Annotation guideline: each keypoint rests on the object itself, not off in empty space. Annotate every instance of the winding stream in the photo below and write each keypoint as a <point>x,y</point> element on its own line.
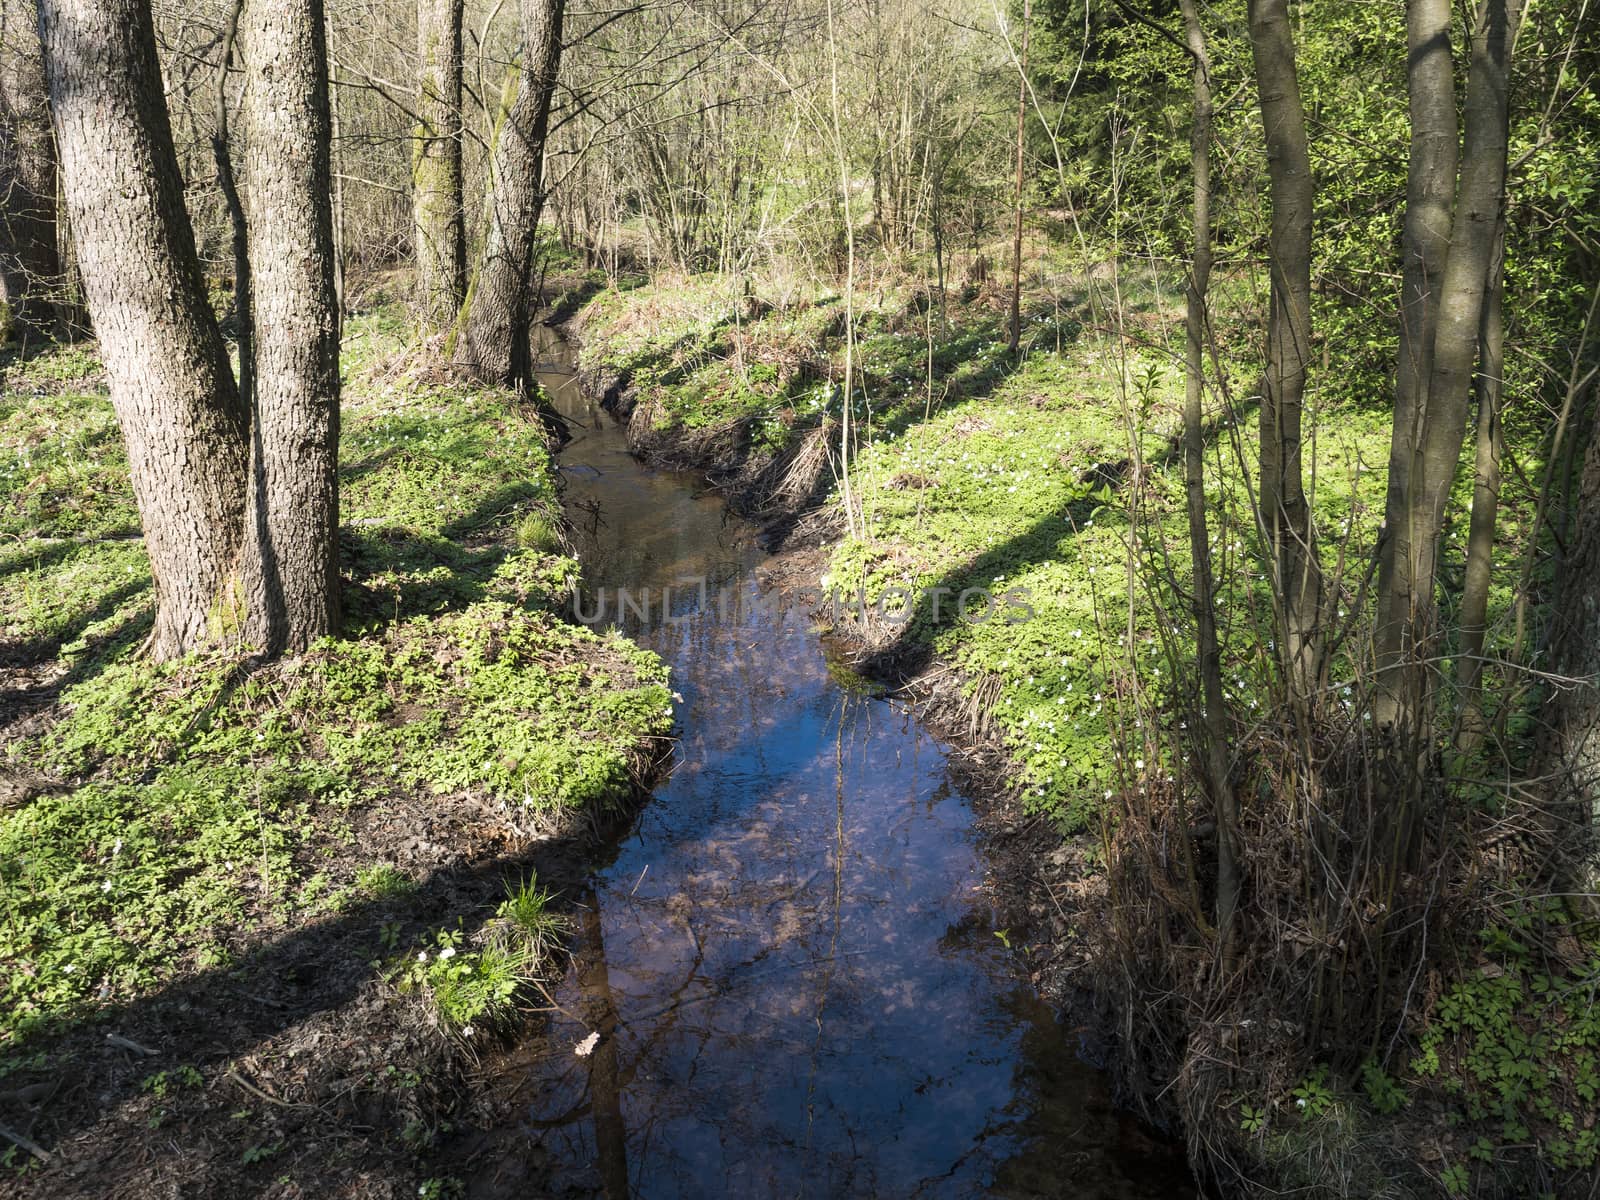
<point>790,961</point>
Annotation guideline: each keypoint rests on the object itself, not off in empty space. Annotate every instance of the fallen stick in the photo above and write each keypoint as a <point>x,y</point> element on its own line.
<point>31,1147</point>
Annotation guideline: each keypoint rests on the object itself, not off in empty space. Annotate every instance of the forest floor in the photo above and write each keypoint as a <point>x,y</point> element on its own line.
<point>987,550</point>
<point>260,925</point>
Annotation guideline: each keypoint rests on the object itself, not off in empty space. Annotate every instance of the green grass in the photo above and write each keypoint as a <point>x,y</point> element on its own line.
<point>474,984</point>
<point>198,808</point>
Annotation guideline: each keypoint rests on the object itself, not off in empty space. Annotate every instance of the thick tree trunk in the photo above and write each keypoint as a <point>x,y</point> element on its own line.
<point>1571,758</point>
<point>30,266</point>
<point>1425,247</point>
<point>174,395</point>
<point>290,561</point>
<point>1296,573</point>
<point>492,329</point>
<point>436,188</point>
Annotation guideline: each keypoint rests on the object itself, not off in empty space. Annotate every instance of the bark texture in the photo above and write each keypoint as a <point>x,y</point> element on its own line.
<point>290,560</point>
<point>175,397</point>
<point>1572,744</point>
<point>1429,444</point>
<point>1425,247</point>
<point>30,266</point>
<point>492,330</point>
<point>1296,573</point>
<point>436,187</point>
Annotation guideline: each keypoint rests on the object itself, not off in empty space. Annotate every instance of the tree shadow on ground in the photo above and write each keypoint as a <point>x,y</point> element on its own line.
<point>295,1030</point>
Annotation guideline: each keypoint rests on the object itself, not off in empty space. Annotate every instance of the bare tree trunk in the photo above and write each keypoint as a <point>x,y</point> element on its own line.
<point>1434,439</point>
<point>1425,246</point>
<point>30,266</point>
<point>1296,573</point>
<point>290,562</point>
<point>1571,750</point>
<point>436,187</point>
<point>1472,720</point>
<point>1016,241</point>
<point>175,397</point>
<point>492,328</point>
<point>1212,732</point>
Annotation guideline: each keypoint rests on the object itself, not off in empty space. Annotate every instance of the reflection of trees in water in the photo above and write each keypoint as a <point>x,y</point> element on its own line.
<point>610,1134</point>
<point>807,996</point>
<point>831,959</point>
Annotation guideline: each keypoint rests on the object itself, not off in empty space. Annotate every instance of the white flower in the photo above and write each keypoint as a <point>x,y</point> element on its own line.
<point>106,886</point>
<point>586,1047</point>
<point>466,1031</point>
<point>450,951</point>
<point>422,956</point>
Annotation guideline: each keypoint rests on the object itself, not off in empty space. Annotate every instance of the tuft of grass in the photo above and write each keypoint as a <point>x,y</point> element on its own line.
<point>381,881</point>
<point>475,984</point>
<point>526,909</point>
<point>537,532</point>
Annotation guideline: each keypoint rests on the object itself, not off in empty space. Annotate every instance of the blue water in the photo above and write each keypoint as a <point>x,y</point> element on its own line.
<point>791,963</point>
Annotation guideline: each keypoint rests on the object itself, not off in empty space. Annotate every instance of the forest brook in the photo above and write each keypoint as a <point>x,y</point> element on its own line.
<point>828,598</point>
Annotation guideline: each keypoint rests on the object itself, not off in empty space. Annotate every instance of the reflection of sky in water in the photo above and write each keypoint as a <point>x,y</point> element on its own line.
<point>796,976</point>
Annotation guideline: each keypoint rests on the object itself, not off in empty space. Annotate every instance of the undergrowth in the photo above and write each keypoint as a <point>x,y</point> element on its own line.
<point>177,815</point>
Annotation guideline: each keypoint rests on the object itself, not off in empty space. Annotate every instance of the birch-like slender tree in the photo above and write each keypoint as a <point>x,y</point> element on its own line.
<point>1296,573</point>
<point>491,333</point>
<point>436,174</point>
<point>30,264</point>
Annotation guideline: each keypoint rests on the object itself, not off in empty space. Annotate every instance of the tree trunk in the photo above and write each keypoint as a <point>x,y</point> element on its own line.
<point>175,397</point>
<point>1571,752</point>
<point>492,328</point>
<point>1015,338</point>
<point>1425,246</point>
<point>30,267</point>
<point>1472,720</point>
<point>1434,439</point>
<point>1211,732</point>
<point>1296,574</point>
<point>290,560</point>
<point>436,188</point>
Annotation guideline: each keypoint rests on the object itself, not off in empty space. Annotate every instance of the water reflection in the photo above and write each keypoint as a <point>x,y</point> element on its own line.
<point>790,965</point>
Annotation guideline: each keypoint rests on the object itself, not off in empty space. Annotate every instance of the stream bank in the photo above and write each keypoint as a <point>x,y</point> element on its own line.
<point>259,923</point>
<point>737,391</point>
<point>794,974</point>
